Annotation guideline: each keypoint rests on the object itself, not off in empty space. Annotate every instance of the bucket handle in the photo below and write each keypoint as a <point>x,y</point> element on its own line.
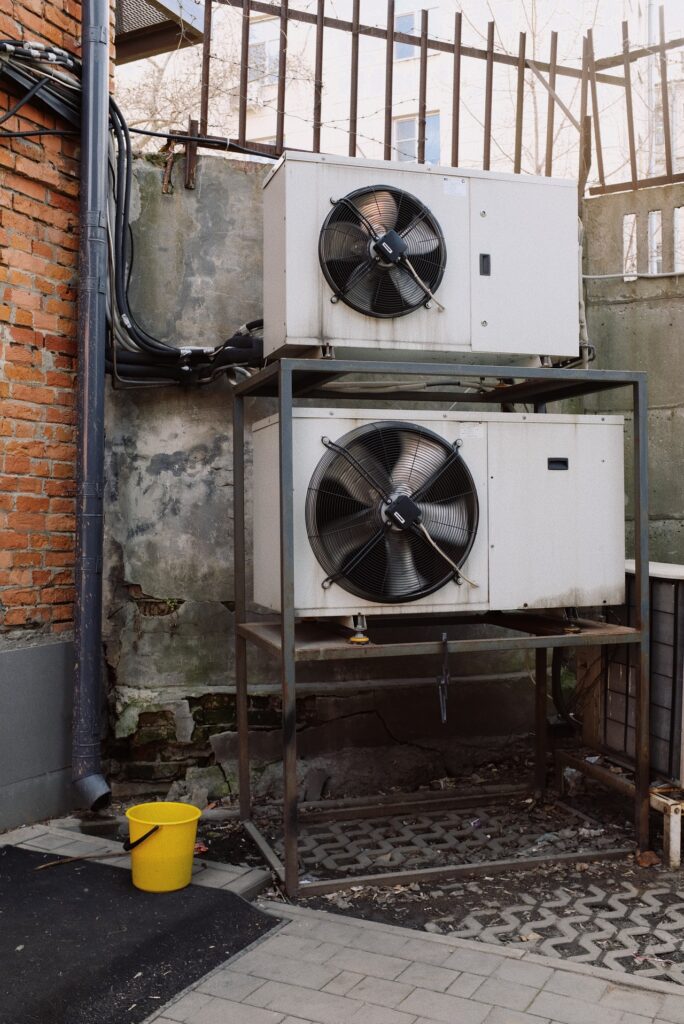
<point>128,845</point>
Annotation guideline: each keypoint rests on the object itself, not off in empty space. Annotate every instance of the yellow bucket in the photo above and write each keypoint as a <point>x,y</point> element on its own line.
<point>162,843</point>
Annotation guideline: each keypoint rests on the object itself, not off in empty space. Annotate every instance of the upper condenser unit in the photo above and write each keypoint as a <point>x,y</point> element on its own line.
<point>443,511</point>
<point>373,255</point>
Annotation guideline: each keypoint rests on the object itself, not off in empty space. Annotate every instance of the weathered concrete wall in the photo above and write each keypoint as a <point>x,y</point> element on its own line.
<point>169,601</point>
<point>637,325</point>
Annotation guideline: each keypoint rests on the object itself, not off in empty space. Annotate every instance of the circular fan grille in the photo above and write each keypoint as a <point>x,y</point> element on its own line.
<point>355,270</point>
<point>350,491</point>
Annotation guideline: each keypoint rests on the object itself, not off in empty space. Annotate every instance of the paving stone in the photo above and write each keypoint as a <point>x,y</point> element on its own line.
<point>473,961</point>
<point>341,984</point>
<point>523,973</point>
<point>508,994</point>
<point>384,993</point>
<point>499,1015</point>
<point>438,1006</point>
<point>429,976</point>
<point>572,1011</point>
<point>672,1009</point>
<point>381,1015</point>
<point>425,951</point>
<point>210,879</point>
<point>265,964</point>
<point>465,984</point>
<point>381,942</point>
<point>325,931</point>
<point>47,843</point>
<point>187,1006</point>
<point>623,998</point>
<point>322,1007</point>
<point>635,1018</point>
<point>566,983</point>
<point>222,1011</point>
<point>298,947</point>
<point>377,965</point>
<point>228,984</point>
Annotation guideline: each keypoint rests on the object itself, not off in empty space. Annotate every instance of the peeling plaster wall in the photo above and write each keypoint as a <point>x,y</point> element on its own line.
<point>169,564</point>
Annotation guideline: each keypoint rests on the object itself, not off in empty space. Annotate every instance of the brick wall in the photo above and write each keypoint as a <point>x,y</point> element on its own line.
<point>38,263</point>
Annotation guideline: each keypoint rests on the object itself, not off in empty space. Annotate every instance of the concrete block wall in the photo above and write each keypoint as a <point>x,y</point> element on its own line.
<point>636,325</point>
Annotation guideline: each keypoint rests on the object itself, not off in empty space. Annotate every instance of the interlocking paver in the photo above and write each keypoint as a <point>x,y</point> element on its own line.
<point>222,1011</point>
<point>508,994</point>
<point>265,964</point>
<point>523,973</point>
<point>326,931</point>
<point>567,983</point>
<point>438,1006</point>
<point>465,984</point>
<point>499,1015</point>
<point>672,1009</point>
<point>428,976</point>
<point>572,1011</point>
<point>623,998</point>
<point>342,982</point>
<point>474,961</point>
<point>384,993</point>
<point>369,1014</point>
<point>425,951</point>
<point>375,964</point>
<point>322,1007</point>
<point>185,1008</point>
<point>229,984</point>
<point>298,947</point>
<point>381,942</point>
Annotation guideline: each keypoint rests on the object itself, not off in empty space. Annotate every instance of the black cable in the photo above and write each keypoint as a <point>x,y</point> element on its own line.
<point>27,135</point>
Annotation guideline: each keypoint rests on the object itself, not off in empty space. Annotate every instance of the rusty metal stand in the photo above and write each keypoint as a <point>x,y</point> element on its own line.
<point>289,380</point>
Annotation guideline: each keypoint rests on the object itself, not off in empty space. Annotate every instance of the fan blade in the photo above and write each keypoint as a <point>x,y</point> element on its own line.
<point>421,241</point>
<point>402,576</point>
<point>341,474</point>
<point>379,208</point>
<point>410,291</point>
<point>347,535</point>
<point>346,240</point>
<point>447,523</point>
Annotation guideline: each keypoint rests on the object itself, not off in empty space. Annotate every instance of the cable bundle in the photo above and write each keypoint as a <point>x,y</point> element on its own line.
<point>134,357</point>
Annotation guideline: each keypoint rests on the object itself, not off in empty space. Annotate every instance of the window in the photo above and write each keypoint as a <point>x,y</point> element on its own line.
<point>406,138</point>
<point>629,247</point>
<point>264,51</point>
<point>655,242</point>
<point>405,23</point>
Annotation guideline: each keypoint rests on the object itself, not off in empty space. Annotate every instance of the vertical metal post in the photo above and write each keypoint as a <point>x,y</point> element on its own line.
<point>665,96</point>
<point>422,87</point>
<point>389,70</point>
<point>318,77</point>
<point>206,70</point>
<point>595,107</point>
<point>643,617</point>
<point>540,725</point>
<point>287,626</point>
<point>456,90</point>
<point>191,155</point>
<point>519,103</point>
<point>551,104</point>
<point>354,73</point>
<point>282,70</point>
<point>239,573</point>
<point>629,104</point>
<point>244,74</point>
<point>584,98</point>
<point>489,82</point>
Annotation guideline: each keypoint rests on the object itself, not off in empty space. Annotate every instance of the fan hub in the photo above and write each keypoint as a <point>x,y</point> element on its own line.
<point>402,512</point>
<point>390,247</point>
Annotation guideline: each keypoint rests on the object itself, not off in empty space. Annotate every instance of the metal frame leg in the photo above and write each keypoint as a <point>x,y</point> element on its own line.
<point>287,618</point>
<point>540,722</point>
<point>672,837</point>
<point>240,603</point>
<point>643,623</point>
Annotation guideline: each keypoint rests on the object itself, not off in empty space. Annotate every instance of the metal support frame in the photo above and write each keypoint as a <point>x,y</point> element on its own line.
<point>290,379</point>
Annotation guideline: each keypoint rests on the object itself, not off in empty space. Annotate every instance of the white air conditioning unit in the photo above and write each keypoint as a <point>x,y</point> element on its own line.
<point>443,511</point>
<point>384,256</point>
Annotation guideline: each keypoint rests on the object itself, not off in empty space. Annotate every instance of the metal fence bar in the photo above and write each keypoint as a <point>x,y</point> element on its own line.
<point>584,97</point>
<point>665,95</point>
<point>389,69</point>
<point>456,90</point>
<point>519,104</point>
<point>354,78</point>
<point>282,69</point>
<point>628,101</point>
<point>318,77</point>
<point>594,106</point>
<point>206,70</point>
<point>551,104</point>
<point>244,70</point>
<point>422,87</point>
<point>489,81</point>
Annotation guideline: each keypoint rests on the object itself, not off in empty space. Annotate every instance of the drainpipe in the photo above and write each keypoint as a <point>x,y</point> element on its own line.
<point>91,788</point>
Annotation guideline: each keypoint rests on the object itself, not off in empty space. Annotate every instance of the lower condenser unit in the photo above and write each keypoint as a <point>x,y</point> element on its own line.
<point>430,511</point>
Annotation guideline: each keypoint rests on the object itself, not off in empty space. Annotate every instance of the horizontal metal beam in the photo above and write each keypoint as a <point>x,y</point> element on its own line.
<point>643,51</point>
<point>265,849</point>
<point>310,18</point>
<point>388,806</point>
<point>627,186</point>
<point>492,867</point>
